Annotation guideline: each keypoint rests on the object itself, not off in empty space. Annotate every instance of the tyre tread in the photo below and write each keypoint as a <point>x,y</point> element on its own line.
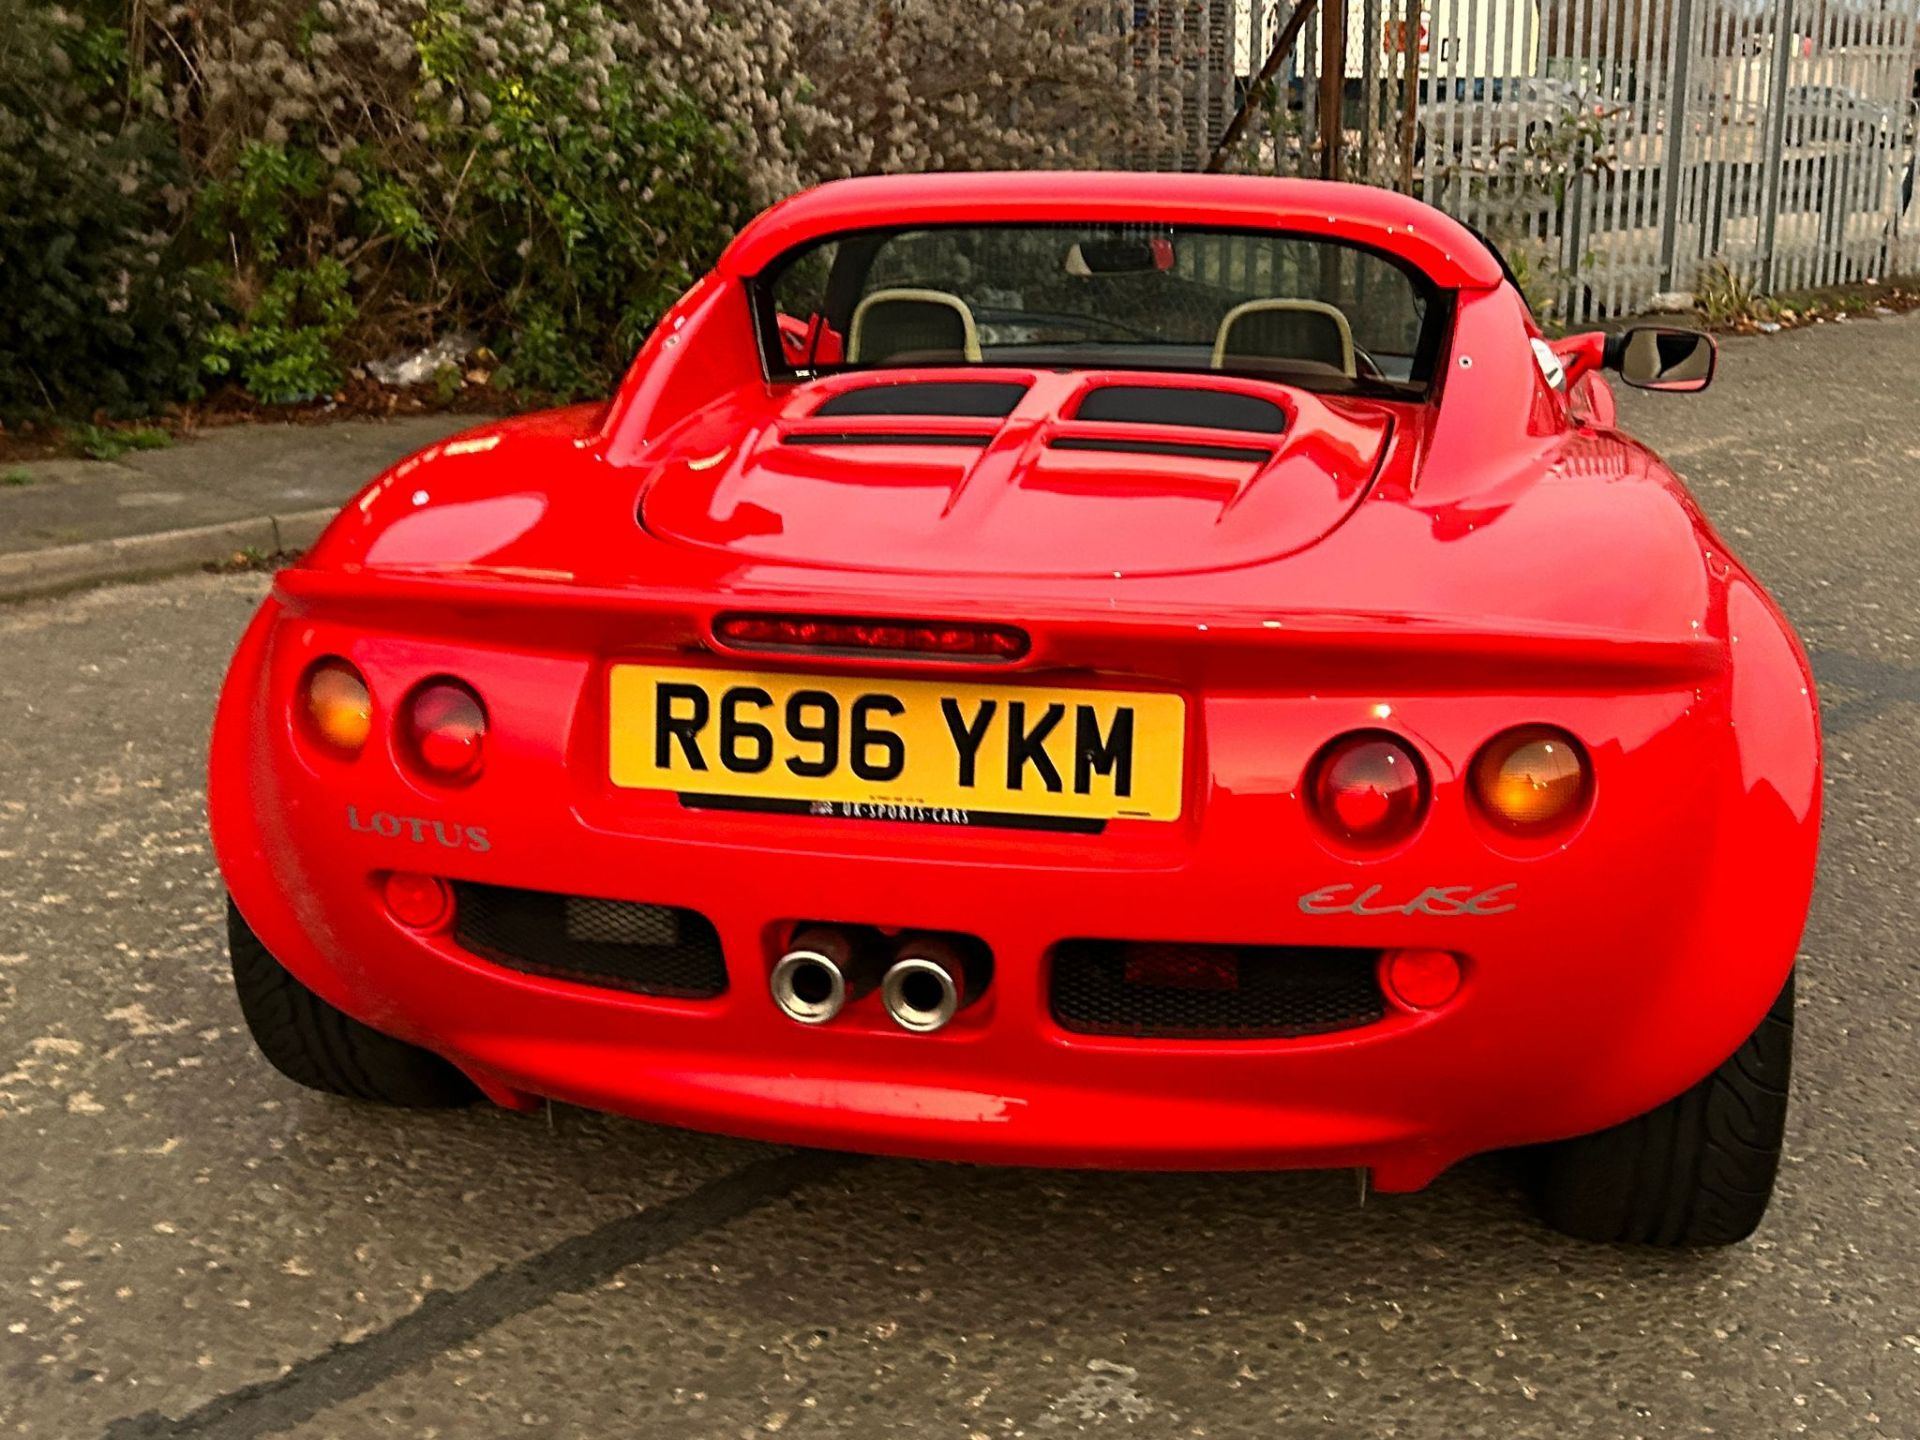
<point>316,1045</point>
<point>1698,1170</point>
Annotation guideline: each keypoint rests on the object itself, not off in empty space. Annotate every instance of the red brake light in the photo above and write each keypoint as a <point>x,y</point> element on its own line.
<point>1369,789</point>
<point>939,638</point>
<point>445,728</point>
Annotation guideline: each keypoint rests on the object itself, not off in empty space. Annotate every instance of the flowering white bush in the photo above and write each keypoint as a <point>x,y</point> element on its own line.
<point>826,88</point>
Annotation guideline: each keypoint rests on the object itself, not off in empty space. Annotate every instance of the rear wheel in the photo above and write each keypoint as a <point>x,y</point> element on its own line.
<point>1699,1170</point>
<point>315,1045</point>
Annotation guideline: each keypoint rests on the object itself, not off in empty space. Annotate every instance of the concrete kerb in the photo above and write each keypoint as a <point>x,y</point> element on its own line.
<point>139,557</point>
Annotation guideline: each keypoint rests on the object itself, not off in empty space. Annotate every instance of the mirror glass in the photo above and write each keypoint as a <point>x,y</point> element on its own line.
<point>1120,255</point>
<point>1662,357</point>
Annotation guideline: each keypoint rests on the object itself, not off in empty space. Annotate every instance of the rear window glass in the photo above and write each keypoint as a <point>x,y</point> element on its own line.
<point>1302,309</point>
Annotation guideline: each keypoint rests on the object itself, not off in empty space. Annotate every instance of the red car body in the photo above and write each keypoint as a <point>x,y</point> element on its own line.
<point>1437,570</point>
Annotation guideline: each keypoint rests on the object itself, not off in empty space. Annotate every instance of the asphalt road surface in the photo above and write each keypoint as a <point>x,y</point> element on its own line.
<point>191,1246</point>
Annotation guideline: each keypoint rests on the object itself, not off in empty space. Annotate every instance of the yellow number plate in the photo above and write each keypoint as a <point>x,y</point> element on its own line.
<point>1081,754</point>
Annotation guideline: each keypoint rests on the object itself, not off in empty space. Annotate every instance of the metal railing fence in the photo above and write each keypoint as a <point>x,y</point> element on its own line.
<point>1615,149</point>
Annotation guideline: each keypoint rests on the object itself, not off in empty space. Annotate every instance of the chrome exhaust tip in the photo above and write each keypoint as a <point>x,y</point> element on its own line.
<point>809,982</point>
<point>921,993</point>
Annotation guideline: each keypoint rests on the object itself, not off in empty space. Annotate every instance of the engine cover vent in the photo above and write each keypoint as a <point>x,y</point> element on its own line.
<point>972,399</point>
<point>1196,406</point>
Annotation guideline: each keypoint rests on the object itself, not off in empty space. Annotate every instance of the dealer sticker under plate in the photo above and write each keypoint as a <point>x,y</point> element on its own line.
<point>841,744</point>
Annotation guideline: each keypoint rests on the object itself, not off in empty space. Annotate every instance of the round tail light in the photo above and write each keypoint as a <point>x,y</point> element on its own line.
<point>444,730</point>
<point>339,709</point>
<point>1369,789</point>
<point>1532,779</point>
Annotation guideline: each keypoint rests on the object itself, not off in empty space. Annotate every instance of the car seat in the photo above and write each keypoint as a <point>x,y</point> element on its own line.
<point>1311,331</point>
<point>901,325</point>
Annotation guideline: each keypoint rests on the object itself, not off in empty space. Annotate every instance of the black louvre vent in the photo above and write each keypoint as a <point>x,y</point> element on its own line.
<point>1182,405</point>
<point>978,399</point>
<point>883,437</point>
<point>649,949</point>
<point>1219,992</point>
<point>1246,454</point>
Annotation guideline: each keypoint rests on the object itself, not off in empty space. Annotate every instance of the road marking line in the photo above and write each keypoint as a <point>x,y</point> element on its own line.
<point>448,1319</point>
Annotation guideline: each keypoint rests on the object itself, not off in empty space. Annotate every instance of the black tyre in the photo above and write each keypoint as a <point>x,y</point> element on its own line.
<point>1699,1170</point>
<point>313,1044</point>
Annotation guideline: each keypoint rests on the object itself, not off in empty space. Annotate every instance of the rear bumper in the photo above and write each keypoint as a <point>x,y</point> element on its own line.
<point>1632,961</point>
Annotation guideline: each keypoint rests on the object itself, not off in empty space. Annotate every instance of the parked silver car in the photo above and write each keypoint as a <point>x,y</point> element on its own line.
<point>1476,120</point>
<point>1834,115</point>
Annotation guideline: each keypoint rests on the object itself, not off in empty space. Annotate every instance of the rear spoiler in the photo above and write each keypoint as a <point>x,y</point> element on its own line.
<point>1434,243</point>
<point>1312,652</point>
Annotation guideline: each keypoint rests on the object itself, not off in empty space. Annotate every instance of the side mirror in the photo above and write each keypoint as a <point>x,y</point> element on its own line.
<point>1663,357</point>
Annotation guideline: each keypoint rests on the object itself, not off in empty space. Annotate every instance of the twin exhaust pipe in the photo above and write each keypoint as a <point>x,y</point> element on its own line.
<point>924,980</point>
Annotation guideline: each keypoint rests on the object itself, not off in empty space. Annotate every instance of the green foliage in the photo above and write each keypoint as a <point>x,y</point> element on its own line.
<point>1724,297</point>
<point>284,347</point>
<point>256,204</point>
<point>99,303</point>
<point>590,197</point>
<point>100,442</point>
<point>16,476</point>
<point>388,210</point>
<point>511,170</point>
<point>269,194</point>
<point>280,334</point>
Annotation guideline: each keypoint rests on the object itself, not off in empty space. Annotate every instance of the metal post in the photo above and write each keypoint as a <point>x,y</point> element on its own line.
<point>1410,97</point>
<point>1678,124</point>
<point>1776,143</point>
<point>1257,90</point>
<point>1372,33</point>
<point>1333,86</point>
<point>1573,307</point>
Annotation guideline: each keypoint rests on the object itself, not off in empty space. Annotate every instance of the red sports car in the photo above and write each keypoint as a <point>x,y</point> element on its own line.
<point>1071,669</point>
